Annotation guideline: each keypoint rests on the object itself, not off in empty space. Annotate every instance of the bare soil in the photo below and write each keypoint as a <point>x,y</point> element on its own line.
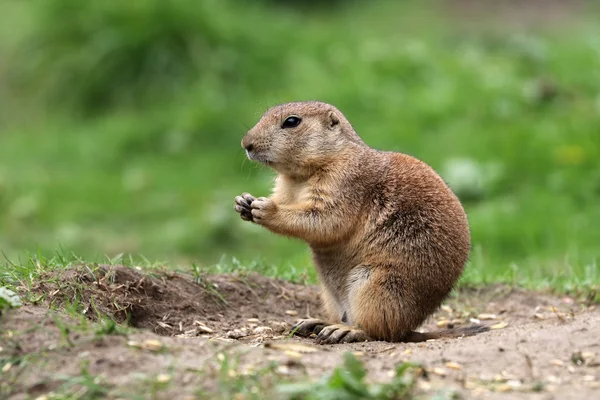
<point>541,346</point>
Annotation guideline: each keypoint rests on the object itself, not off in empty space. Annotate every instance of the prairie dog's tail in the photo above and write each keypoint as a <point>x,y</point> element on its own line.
<point>446,333</point>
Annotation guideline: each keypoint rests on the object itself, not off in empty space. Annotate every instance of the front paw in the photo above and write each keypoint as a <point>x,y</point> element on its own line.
<point>243,205</point>
<point>263,209</point>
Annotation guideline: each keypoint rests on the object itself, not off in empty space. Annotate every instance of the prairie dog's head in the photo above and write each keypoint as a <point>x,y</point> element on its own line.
<point>295,138</point>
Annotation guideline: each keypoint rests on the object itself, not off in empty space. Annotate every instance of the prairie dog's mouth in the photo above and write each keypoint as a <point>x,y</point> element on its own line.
<point>252,155</point>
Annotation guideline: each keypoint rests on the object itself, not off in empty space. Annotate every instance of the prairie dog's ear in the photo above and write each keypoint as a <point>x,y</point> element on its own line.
<point>332,119</point>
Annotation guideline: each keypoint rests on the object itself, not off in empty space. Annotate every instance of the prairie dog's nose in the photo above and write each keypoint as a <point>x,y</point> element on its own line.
<point>247,144</point>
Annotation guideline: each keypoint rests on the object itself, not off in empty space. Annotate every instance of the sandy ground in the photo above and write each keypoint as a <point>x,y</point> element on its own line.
<point>541,346</point>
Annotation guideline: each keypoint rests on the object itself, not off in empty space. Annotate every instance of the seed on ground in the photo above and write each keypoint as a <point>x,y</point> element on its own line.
<point>453,365</point>
<point>499,325</point>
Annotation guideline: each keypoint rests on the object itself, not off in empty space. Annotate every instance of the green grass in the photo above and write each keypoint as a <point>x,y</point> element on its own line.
<point>83,387</point>
<point>141,155</point>
<point>21,277</point>
<point>348,382</point>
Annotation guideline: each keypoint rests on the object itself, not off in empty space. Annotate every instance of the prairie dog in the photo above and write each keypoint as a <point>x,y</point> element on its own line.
<point>389,238</point>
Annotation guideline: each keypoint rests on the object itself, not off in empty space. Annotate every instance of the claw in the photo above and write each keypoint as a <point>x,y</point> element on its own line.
<point>341,334</point>
<point>248,198</point>
<point>306,327</point>
<point>243,206</point>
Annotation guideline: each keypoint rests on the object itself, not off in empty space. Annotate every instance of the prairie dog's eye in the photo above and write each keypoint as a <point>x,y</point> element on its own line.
<point>291,122</point>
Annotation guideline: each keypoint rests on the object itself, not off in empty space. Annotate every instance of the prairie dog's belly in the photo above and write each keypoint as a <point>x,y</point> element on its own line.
<point>334,265</point>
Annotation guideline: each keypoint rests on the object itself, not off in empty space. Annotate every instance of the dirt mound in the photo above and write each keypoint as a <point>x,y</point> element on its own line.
<point>234,306</point>
<point>170,303</point>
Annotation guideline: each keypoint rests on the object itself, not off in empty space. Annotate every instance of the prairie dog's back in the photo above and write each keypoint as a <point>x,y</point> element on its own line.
<point>417,219</point>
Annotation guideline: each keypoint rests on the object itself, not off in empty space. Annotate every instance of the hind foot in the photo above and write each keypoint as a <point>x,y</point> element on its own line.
<point>306,327</point>
<point>341,334</point>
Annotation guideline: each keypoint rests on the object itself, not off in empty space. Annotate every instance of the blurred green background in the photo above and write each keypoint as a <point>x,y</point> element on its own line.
<point>120,122</point>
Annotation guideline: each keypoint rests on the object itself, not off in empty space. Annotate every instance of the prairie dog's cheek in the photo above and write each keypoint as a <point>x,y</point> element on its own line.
<point>315,144</point>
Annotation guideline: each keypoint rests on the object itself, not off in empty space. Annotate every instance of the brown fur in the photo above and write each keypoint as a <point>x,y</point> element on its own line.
<point>389,238</point>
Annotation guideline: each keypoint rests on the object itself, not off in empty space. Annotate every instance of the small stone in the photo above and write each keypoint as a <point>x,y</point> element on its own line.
<point>487,316</point>
<point>586,355</point>
<point>262,330</point>
<point>291,312</point>
<point>439,371</point>
<point>557,363</point>
<point>236,334</point>
<point>163,378</point>
<point>279,327</point>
